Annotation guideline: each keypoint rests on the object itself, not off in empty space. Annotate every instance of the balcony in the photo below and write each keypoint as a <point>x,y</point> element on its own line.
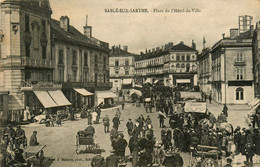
<point>37,63</point>
<point>240,63</point>
<point>26,86</point>
<point>88,85</point>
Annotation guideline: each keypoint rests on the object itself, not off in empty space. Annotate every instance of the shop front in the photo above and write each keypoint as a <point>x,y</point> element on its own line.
<point>85,97</point>
<point>4,95</point>
<point>105,99</point>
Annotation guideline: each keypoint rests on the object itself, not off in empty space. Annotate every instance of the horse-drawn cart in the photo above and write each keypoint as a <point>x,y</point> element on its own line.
<point>205,156</point>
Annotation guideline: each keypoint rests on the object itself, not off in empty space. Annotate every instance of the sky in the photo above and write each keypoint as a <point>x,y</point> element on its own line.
<point>140,31</point>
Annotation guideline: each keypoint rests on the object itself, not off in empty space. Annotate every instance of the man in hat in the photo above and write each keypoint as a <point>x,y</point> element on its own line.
<point>113,133</point>
<point>237,138</point>
<point>19,136</point>
<point>161,120</point>
<point>98,161</point>
<point>121,145</point>
<point>112,160</point>
<point>33,139</point>
<point>129,126</point>
<point>249,152</point>
<point>106,124</point>
<point>163,136</point>
<point>89,116</point>
<point>10,131</point>
<point>169,160</point>
<point>116,121</point>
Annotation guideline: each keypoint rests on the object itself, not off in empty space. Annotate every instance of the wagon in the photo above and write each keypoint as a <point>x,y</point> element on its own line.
<point>87,141</point>
<point>34,155</point>
<point>205,156</point>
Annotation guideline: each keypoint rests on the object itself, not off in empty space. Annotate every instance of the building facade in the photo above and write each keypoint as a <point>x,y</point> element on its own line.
<point>174,65</point>
<point>256,58</point>
<point>232,77</point>
<point>25,50</point>
<point>121,68</point>
<point>204,72</point>
<point>81,62</point>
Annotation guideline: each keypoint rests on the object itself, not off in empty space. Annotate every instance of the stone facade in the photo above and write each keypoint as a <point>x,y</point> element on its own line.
<point>25,47</point>
<point>256,58</point>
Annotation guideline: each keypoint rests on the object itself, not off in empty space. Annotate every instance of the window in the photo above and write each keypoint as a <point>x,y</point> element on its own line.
<point>126,72</point>
<point>85,59</point>
<point>239,57</point>
<point>43,52</point>
<point>183,57</point>
<point>240,73</point>
<point>126,62</point>
<point>182,65</point>
<point>61,73</point>
<point>178,65</point>
<point>28,76</point>
<point>86,76</point>
<point>104,62</point>
<point>117,72</point>
<point>178,57</point>
<point>116,63</point>
<point>60,57</point>
<point>27,50</point>
<point>27,23</point>
<point>188,67</point>
<point>96,60</point>
<point>188,57</point>
<point>43,27</point>
<point>193,57</point>
<point>239,94</point>
<point>74,60</point>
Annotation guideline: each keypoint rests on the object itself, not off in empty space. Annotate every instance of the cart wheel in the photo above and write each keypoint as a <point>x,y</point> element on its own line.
<point>209,162</point>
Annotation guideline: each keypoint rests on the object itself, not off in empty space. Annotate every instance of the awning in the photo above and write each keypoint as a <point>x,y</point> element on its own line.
<point>45,98</point>
<point>253,110</point>
<point>182,80</point>
<point>148,80</point>
<point>138,86</point>
<point>105,94</point>
<point>156,81</point>
<point>195,107</point>
<point>134,91</point>
<point>147,99</point>
<point>59,98</point>
<point>83,92</point>
<point>127,81</point>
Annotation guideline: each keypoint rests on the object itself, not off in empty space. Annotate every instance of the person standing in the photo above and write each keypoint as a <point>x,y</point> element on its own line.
<point>210,98</point>
<point>33,139</point>
<point>112,160</point>
<point>89,116</point>
<point>19,136</point>
<point>94,116</point>
<point>249,152</point>
<point>106,124</point>
<point>118,113</point>
<point>130,127</point>
<point>121,146</point>
<point>123,106</point>
<point>116,121</point>
<point>163,135</point>
<point>237,138</point>
<point>161,120</point>
<point>98,161</point>
<point>225,110</point>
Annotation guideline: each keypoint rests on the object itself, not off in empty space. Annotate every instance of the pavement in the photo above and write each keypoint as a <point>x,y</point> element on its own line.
<point>61,141</point>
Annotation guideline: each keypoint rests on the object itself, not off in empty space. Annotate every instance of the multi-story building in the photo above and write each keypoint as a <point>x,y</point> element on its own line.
<point>256,59</point>
<point>173,65</point>
<point>204,72</point>
<point>81,62</point>
<point>121,68</point>
<point>232,77</point>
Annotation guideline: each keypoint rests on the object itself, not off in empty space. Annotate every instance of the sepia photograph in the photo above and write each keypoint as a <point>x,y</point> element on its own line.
<point>129,83</point>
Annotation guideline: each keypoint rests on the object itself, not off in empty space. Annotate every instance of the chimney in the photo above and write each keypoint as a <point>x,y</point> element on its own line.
<point>149,50</point>
<point>145,51</point>
<point>113,49</point>
<point>125,48</point>
<point>193,45</point>
<point>181,42</point>
<point>157,48</point>
<point>234,33</point>
<point>251,30</point>
<point>87,29</point>
<point>119,46</point>
<point>65,22</point>
<point>170,44</point>
<point>223,35</point>
<point>141,53</point>
<point>153,49</point>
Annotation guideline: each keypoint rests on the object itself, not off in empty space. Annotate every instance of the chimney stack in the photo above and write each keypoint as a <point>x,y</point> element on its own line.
<point>125,48</point>
<point>181,42</point>
<point>234,33</point>
<point>65,22</point>
<point>145,51</point>
<point>193,45</point>
<point>223,35</point>
<point>87,29</point>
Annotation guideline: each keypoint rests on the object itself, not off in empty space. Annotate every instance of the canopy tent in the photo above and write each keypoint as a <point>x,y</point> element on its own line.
<point>127,81</point>
<point>253,110</point>
<point>83,92</point>
<point>156,81</point>
<point>195,107</point>
<point>134,91</point>
<point>195,95</point>
<point>182,80</point>
<point>101,95</point>
<point>54,98</point>
<point>148,80</point>
<point>147,99</point>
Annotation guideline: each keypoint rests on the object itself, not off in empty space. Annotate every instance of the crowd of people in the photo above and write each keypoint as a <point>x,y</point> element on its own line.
<point>13,144</point>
